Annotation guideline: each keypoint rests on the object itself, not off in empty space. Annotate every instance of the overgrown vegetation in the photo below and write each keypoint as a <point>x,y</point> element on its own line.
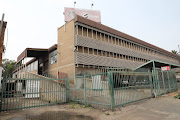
<point>107,113</point>
<point>177,96</point>
<point>8,67</point>
<point>76,105</point>
<point>174,51</point>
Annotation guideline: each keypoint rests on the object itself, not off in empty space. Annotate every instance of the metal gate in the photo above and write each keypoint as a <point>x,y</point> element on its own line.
<point>108,90</point>
<point>32,90</point>
<point>164,82</point>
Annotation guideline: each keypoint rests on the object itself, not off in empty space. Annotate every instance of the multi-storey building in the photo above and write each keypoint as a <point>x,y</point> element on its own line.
<point>85,45</point>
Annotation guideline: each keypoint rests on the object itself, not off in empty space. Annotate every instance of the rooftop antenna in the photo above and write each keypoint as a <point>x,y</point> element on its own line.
<point>74,3</point>
<point>92,5</point>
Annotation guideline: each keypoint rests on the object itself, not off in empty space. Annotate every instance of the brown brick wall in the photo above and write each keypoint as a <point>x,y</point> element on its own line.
<point>53,69</point>
<point>66,49</point>
<point>80,69</point>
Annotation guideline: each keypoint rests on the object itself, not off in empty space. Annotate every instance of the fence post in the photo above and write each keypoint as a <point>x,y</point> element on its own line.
<point>151,82</point>
<point>2,94</point>
<point>163,82</point>
<point>85,99</point>
<point>158,83</point>
<point>67,89</point>
<point>111,90</point>
<point>169,82</point>
<point>154,83</point>
<point>171,76</point>
<point>154,80</point>
<point>175,80</point>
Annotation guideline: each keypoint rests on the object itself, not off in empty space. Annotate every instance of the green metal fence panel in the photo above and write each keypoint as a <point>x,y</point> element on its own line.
<point>93,90</point>
<point>131,86</point>
<point>116,87</point>
<point>164,82</point>
<point>30,90</point>
<point>98,90</point>
<point>111,88</point>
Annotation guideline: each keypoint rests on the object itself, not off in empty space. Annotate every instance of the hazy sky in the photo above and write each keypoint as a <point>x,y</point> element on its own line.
<point>34,23</point>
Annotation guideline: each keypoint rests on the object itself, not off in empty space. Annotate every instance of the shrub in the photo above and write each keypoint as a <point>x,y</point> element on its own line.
<point>177,96</point>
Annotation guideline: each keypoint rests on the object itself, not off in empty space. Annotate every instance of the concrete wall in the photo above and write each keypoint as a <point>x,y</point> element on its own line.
<point>66,50</point>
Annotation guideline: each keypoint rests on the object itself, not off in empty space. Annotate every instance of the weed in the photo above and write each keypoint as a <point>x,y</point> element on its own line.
<point>107,114</point>
<point>177,96</point>
<point>87,106</point>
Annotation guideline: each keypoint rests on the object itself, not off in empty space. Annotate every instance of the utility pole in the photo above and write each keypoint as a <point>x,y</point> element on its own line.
<point>1,25</point>
<point>179,49</point>
<point>1,48</point>
<point>92,5</point>
<point>74,3</point>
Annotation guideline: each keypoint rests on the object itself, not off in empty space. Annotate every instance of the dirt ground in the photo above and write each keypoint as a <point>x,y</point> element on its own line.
<point>161,108</point>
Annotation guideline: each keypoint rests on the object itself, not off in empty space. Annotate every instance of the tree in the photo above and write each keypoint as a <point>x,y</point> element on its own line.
<point>174,51</point>
<point>8,67</point>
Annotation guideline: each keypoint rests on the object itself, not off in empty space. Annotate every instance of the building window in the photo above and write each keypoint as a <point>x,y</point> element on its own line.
<point>53,57</point>
<point>31,67</point>
<point>36,65</point>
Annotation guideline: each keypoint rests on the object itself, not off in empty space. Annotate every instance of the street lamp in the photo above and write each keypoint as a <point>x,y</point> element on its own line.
<point>74,3</point>
<point>92,5</point>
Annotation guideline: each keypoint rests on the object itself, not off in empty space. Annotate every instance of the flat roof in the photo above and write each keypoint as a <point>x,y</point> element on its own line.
<point>35,52</point>
<point>158,64</point>
<point>121,34</point>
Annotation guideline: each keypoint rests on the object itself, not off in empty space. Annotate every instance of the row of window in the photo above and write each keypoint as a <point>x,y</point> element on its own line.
<point>116,41</point>
<point>108,54</point>
<point>53,57</point>
<point>34,66</point>
<point>30,68</point>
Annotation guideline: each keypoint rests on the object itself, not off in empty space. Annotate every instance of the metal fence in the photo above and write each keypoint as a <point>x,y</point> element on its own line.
<point>105,89</point>
<point>164,82</point>
<point>130,87</point>
<point>116,88</point>
<point>31,90</point>
<point>92,90</point>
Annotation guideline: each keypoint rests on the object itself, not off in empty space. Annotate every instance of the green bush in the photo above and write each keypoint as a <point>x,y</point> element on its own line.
<point>177,96</point>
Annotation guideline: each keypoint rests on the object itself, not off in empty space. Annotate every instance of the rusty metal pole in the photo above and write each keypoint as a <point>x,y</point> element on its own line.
<point>1,25</point>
